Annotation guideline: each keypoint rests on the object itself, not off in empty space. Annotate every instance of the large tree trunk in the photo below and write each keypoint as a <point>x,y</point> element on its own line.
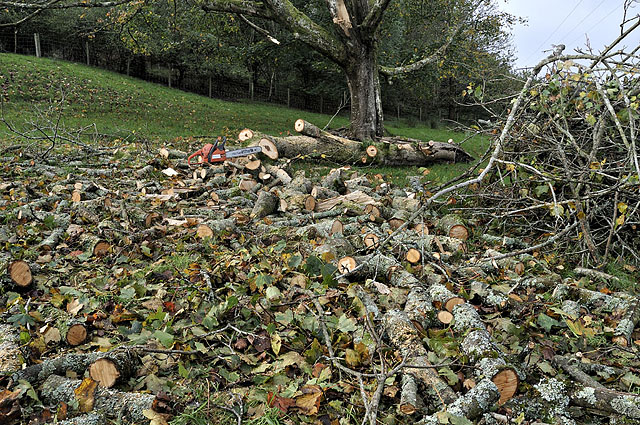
<point>364,87</point>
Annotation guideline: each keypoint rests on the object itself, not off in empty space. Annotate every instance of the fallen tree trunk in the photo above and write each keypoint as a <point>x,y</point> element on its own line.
<point>320,144</point>
<point>112,403</point>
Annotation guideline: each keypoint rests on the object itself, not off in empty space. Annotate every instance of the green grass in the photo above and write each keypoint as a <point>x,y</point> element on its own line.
<point>134,110</point>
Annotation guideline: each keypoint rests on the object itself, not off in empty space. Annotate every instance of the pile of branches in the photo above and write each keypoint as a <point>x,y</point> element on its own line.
<point>569,166</point>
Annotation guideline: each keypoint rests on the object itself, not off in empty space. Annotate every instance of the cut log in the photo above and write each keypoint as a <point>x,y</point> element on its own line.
<point>114,404</point>
<point>266,204</point>
<point>247,184</point>
<point>507,382</point>
<point>445,317</point>
<point>453,226</point>
<point>245,135</point>
<point>395,223</point>
<point>337,228</point>
<point>408,395</point>
<point>413,256</point>
<point>20,273</point>
<point>372,151</point>
<point>371,240</point>
<point>309,203</point>
<point>216,227</point>
<point>269,148</point>
<point>316,143</point>
<point>115,366</point>
<point>346,265</point>
<point>404,337</point>
<point>253,165</point>
<point>76,334</point>
<point>96,246</point>
<point>452,302</point>
<point>321,192</point>
<point>168,153</point>
<point>71,362</point>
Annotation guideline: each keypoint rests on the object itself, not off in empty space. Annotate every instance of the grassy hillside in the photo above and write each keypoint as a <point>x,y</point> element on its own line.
<point>123,108</point>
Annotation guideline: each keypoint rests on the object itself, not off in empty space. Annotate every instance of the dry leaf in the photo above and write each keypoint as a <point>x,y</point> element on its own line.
<point>155,417</point>
<point>74,307</point>
<point>85,395</point>
<point>169,172</point>
<point>309,401</point>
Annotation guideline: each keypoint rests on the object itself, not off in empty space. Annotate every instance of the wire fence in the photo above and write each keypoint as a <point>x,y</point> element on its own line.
<point>215,85</point>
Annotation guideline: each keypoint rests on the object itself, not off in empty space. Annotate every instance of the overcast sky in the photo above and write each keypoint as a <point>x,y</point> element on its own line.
<point>568,22</point>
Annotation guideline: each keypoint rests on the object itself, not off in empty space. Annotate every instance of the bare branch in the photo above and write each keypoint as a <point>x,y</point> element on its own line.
<point>391,71</point>
<point>260,30</point>
<point>374,17</point>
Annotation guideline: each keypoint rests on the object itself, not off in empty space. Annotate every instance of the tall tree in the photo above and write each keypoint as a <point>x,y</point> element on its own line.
<point>344,31</point>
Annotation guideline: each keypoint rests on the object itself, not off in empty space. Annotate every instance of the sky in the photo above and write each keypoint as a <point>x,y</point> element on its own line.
<point>568,22</point>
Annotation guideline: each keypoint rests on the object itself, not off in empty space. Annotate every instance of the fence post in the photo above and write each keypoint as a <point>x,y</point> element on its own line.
<point>36,39</point>
<point>251,89</point>
<point>210,83</point>
<point>420,119</point>
<point>170,72</point>
<point>398,112</point>
<point>288,97</point>
<point>86,48</point>
<point>15,40</point>
<point>321,103</point>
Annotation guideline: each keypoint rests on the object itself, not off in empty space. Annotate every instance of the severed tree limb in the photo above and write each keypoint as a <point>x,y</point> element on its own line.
<point>473,404</point>
<point>10,354</point>
<point>112,403</point>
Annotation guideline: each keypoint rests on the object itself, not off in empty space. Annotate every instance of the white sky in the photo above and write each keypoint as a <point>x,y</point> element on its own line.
<point>567,22</point>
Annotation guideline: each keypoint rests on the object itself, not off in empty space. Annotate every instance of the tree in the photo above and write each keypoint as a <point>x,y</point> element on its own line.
<point>344,31</point>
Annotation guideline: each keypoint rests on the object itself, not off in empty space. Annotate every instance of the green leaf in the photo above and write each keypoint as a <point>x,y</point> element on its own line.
<point>263,279</point>
<point>295,261</point>
<point>127,293</point>
<point>273,293</point>
<point>346,324</point>
<point>546,322</point>
<point>182,371</point>
<point>284,318</point>
<point>165,338</point>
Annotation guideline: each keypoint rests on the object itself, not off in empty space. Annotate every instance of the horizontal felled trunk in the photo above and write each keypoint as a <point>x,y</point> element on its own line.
<point>314,143</point>
<point>114,404</point>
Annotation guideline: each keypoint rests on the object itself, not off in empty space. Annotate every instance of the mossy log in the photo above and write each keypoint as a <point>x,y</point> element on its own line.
<point>87,419</point>
<point>408,395</point>
<point>72,362</point>
<point>10,354</point>
<point>113,367</point>
<point>390,270</point>
<point>419,307</point>
<point>472,405</point>
<point>490,363</point>
<point>112,403</point>
<point>404,337</point>
<point>453,226</point>
<point>266,204</point>
<point>19,272</point>
<point>326,146</point>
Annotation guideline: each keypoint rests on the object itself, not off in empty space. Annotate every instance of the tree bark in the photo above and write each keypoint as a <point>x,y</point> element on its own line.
<point>364,88</point>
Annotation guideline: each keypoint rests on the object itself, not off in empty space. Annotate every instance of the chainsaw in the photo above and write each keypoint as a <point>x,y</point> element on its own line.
<point>212,153</point>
